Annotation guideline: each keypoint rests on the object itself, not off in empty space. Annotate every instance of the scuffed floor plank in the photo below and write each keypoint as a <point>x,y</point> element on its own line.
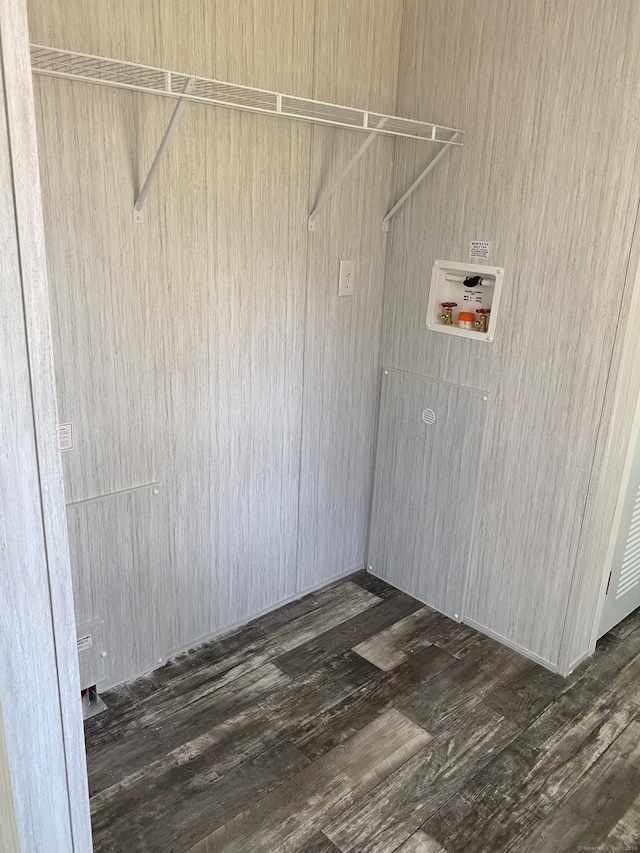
<point>285,818</point>
<point>524,697</point>
<point>342,720</point>
<point>500,809</point>
<point>179,722</point>
<point>313,654</point>
<point>600,800</point>
<point>425,627</point>
<point>626,832</point>
<point>223,660</point>
<point>610,659</point>
<point>187,809</point>
<point>389,648</point>
<point>219,749</point>
<point>341,671</point>
<point>419,842</point>
<point>396,809</point>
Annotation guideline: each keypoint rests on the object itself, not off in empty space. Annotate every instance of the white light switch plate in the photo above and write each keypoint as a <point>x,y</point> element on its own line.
<point>347,281</point>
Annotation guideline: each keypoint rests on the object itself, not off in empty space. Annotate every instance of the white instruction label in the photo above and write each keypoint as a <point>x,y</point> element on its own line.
<point>479,249</point>
<point>65,436</point>
<point>85,642</point>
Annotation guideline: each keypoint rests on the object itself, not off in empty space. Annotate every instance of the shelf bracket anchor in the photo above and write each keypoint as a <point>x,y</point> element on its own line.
<point>386,222</point>
<point>166,139</point>
<point>343,174</point>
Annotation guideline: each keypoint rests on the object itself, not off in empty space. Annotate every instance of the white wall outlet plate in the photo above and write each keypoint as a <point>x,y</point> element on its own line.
<point>465,287</point>
<point>347,281</point>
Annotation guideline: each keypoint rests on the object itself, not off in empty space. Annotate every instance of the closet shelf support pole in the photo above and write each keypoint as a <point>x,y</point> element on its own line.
<point>343,175</point>
<point>166,139</point>
<point>386,222</point>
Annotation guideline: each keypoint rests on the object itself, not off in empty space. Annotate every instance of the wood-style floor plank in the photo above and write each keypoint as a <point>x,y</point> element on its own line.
<point>426,626</point>
<point>462,686</point>
<point>499,809</point>
<point>626,682</point>
<point>284,819</point>
<point>457,639</point>
<point>525,696</point>
<point>601,799</point>
<point>419,842</point>
<point>178,722</point>
<point>626,831</point>
<point>339,638</point>
<point>374,585</point>
<point>389,648</point>
<point>340,674</point>
<point>482,671</point>
<point>222,660</point>
<point>184,810</point>
<point>318,844</point>
<point>391,813</point>
<point>221,746</point>
<point>355,719</point>
<point>291,635</point>
<point>611,658</point>
<point>340,721</point>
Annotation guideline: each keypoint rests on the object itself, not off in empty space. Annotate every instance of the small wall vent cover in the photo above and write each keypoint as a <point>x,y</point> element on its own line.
<point>429,416</point>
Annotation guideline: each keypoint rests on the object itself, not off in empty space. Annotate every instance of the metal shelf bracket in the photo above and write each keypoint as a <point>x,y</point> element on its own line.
<point>344,174</point>
<point>138,215</point>
<point>386,222</point>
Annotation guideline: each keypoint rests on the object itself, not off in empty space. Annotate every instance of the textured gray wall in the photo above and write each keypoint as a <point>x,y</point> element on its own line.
<point>545,90</point>
<point>207,348</point>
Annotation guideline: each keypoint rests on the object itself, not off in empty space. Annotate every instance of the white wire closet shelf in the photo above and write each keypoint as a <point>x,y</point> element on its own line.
<point>144,78</point>
<point>104,71</point>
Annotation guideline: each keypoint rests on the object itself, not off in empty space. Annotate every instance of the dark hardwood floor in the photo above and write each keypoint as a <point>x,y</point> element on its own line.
<point>357,720</point>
